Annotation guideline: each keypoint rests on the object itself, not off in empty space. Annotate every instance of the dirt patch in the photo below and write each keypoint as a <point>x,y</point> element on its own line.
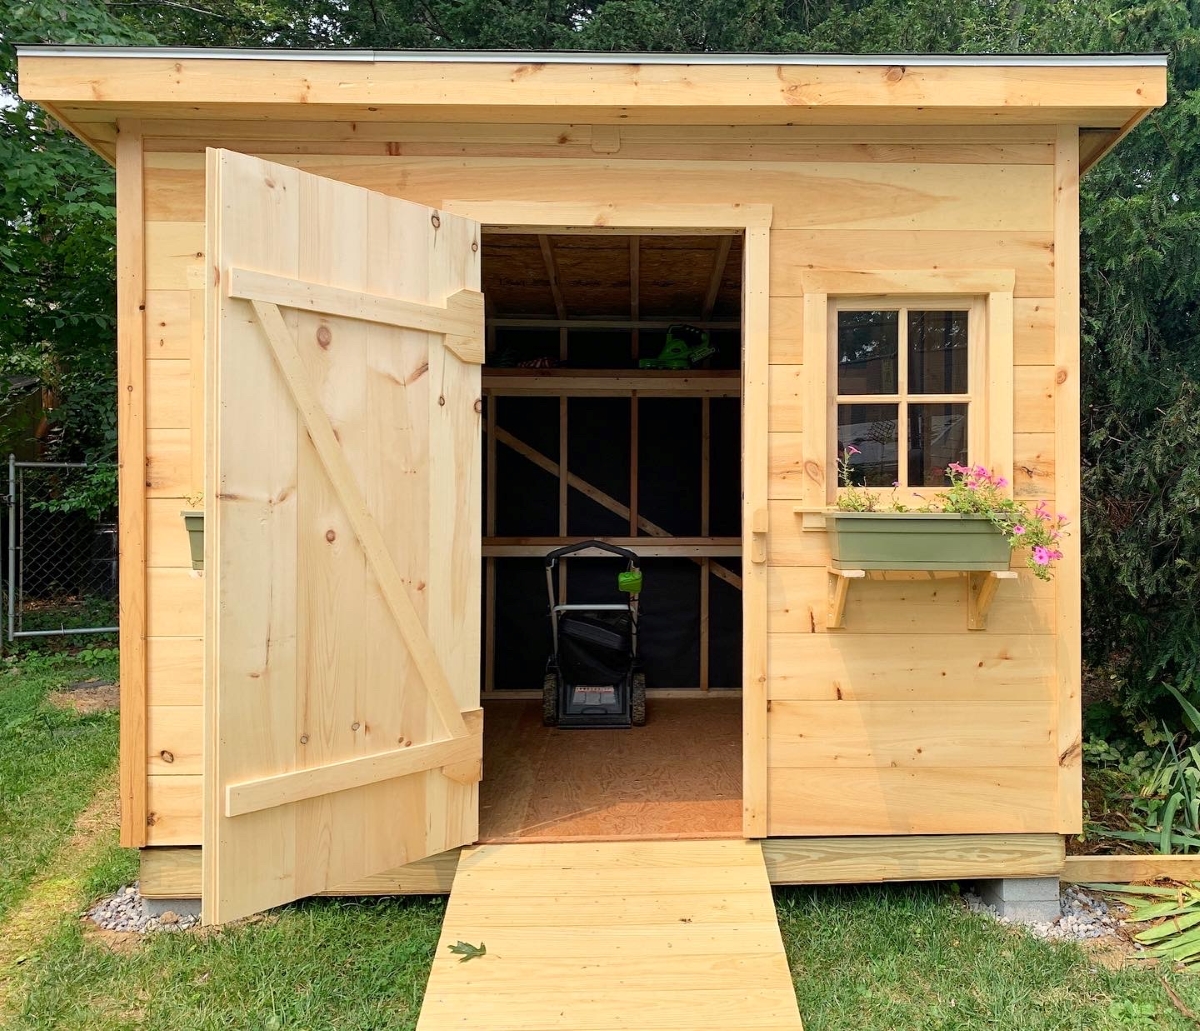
<point>1115,952</point>
<point>120,942</point>
<point>87,696</point>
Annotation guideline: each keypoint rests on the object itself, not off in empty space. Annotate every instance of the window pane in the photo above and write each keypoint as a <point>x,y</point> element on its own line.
<point>871,431</point>
<point>937,352</point>
<point>937,436</point>
<point>868,347</point>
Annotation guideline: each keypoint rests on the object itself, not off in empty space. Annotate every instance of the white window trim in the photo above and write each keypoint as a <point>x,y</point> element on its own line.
<point>990,369</point>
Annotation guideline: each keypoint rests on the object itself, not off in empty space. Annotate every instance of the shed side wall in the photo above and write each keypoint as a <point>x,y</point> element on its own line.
<point>904,722</point>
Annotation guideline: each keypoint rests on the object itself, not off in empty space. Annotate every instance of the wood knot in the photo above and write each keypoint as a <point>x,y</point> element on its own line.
<point>478,405</point>
<point>303,739</point>
<point>151,819</point>
<point>435,220</point>
<point>330,536</point>
<point>324,337</point>
<point>474,247</point>
<point>167,757</point>
<point>442,400</point>
<point>354,725</point>
<point>270,182</point>
<point>894,74</point>
<point>1060,377</point>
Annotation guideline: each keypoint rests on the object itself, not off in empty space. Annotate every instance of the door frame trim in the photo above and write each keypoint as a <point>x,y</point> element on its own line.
<point>754,222</point>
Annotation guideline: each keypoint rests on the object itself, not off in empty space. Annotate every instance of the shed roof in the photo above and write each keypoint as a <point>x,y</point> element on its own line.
<point>91,88</point>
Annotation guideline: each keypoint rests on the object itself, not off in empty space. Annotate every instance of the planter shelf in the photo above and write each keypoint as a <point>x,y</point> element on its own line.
<point>981,590</point>
<point>865,543</point>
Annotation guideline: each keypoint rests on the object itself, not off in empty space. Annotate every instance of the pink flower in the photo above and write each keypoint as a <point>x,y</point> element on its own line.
<point>1041,556</point>
<point>1018,530</point>
<point>1001,481</point>
<point>1055,554</point>
<point>852,450</point>
<point>895,483</point>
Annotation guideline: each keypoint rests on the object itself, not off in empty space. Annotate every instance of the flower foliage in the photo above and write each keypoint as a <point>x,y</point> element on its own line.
<point>973,490</point>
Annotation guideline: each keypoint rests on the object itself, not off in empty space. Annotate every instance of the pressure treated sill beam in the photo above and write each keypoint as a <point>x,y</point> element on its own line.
<point>175,872</point>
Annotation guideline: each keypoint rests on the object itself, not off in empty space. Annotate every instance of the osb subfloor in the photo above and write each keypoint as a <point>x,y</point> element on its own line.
<point>680,776</point>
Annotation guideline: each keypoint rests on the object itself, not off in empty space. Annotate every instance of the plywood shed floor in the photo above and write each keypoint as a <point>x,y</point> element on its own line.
<point>680,776</point>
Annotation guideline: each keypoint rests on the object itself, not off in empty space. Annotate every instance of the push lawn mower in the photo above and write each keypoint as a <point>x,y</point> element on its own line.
<point>686,347</point>
<point>592,677</point>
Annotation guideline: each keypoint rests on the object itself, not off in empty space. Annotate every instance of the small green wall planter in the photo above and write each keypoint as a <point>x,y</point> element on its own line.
<point>194,524</point>
<point>915,540</point>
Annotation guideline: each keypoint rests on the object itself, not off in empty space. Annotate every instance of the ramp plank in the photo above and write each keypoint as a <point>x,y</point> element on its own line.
<point>600,936</point>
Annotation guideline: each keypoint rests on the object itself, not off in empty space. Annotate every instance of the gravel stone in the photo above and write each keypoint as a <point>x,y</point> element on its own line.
<point>125,911</point>
<point>1084,916</point>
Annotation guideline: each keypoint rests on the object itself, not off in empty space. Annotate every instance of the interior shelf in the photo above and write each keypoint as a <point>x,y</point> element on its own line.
<point>613,382</point>
<point>644,547</point>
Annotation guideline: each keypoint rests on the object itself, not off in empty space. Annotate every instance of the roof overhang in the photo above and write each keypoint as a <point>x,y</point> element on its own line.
<point>91,88</point>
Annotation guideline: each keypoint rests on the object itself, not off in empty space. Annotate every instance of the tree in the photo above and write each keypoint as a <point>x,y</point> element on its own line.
<point>1140,215</point>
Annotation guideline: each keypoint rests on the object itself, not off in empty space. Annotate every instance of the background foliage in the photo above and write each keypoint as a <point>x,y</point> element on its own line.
<point>1141,211</point>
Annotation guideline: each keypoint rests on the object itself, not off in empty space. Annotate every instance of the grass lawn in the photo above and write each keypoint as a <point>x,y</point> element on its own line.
<point>865,959</point>
<point>51,760</point>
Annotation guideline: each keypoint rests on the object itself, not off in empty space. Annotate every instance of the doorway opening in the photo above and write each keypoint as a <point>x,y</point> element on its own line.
<point>584,441</point>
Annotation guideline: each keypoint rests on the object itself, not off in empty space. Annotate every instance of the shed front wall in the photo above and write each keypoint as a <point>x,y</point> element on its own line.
<point>903,722</point>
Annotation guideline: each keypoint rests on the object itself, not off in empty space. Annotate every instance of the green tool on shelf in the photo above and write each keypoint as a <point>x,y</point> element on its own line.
<point>685,348</point>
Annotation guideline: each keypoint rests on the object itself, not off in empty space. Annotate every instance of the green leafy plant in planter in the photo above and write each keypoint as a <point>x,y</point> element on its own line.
<point>971,525</point>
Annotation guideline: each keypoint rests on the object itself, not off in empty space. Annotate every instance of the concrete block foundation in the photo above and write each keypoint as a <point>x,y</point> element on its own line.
<point>1028,900</point>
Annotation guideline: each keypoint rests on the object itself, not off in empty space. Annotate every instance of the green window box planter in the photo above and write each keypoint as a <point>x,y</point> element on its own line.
<point>193,522</point>
<point>915,540</point>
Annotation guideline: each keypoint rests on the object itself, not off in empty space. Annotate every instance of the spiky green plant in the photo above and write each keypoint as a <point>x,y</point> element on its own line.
<point>1173,914</point>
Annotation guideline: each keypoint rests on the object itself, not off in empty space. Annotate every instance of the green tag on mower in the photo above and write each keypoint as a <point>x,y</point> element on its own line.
<point>630,581</point>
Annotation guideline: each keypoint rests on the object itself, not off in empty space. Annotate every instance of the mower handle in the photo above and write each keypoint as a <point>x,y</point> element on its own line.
<point>570,549</point>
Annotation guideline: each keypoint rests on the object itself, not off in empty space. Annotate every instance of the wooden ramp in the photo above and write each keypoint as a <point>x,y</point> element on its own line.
<point>630,935</point>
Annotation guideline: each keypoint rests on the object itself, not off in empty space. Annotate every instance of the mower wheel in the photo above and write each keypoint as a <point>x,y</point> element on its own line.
<point>637,699</point>
<point>550,699</point>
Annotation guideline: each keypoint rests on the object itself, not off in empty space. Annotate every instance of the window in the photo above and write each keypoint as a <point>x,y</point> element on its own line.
<point>906,379</point>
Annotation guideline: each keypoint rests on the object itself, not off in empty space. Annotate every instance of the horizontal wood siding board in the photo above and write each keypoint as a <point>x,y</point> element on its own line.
<point>174,671</point>
<point>798,603</point>
<point>897,668</point>
<point>805,195</point>
<point>963,800</point>
<point>943,734</point>
<point>175,740</point>
<point>1029,253</point>
<point>173,805</point>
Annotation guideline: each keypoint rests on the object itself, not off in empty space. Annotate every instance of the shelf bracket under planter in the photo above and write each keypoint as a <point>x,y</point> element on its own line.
<point>981,590</point>
<point>839,589</point>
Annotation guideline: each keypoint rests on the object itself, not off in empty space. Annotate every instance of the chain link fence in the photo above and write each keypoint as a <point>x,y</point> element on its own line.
<point>61,563</point>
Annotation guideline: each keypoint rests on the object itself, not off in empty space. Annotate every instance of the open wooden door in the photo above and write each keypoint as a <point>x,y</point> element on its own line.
<point>342,522</point>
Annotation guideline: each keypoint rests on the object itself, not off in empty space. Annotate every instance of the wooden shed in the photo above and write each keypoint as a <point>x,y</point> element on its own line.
<point>385,312</point>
